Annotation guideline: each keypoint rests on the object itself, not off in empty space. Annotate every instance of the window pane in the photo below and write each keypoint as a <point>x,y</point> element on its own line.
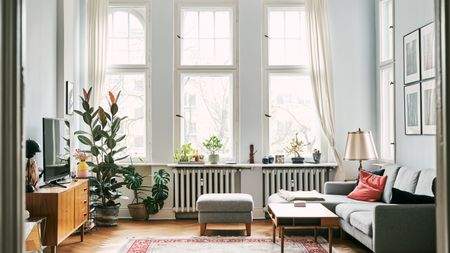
<point>287,36</point>
<point>206,37</point>
<point>207,108</point>
<point>131,104</point>
<point>386,32</point>
<point>126,36</point>
<point>292,108</point>
<point>387,114</point>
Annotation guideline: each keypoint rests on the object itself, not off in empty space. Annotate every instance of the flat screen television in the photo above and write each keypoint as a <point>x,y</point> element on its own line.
<point>56,136</point>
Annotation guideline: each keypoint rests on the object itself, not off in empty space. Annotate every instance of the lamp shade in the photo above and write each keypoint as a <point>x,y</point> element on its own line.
<point>360,146</point>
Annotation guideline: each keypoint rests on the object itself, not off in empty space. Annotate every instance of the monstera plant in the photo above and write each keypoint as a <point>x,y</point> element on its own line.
<point>103,142</point>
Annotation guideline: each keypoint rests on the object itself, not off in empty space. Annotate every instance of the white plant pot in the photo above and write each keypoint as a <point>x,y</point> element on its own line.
<point>214,158</point>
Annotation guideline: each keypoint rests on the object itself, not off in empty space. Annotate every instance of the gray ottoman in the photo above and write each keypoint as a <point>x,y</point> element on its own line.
<point>225,208</point>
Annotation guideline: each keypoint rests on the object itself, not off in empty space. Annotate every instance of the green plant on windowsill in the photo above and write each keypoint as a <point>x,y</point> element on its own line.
<point>147,199</point>
<point>213,144</point>
<point>185,153</point>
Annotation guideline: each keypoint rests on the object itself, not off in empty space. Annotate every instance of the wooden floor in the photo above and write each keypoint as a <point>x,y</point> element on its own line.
<point>110,239</point>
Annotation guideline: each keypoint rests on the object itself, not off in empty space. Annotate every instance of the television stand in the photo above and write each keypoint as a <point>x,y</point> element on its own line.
<point>54,183</point>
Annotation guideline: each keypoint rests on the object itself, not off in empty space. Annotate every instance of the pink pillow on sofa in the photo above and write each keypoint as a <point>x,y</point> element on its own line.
<point>370,187</point>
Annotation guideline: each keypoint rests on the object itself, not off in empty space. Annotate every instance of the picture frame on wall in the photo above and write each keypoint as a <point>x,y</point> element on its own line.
<point>428,105</point>
<point>411,57</point>
<point>69,98</point>
<point>412,109</point>
<point>427,51</point>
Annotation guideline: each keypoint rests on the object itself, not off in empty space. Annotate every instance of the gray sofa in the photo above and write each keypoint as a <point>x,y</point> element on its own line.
<point>381,226</point>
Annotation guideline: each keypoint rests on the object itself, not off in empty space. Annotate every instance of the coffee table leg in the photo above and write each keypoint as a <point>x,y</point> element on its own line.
<point>315,234</point>
<point>274,231</point>
<point>282,239</point>
<point>330,240</point>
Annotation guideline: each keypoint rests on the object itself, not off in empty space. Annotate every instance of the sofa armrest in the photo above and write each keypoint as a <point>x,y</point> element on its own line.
<point>339,187</point>
<point>404,228</point>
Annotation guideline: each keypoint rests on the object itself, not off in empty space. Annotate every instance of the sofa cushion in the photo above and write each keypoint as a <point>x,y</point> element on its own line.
<point>345,210</point>
<point>403,197</point>
<point>379,172</point>
<point>425,182</point>
<point>407,179</point>
<point>391,172</point>
<point>225,202</point>
<point>370,187</point>
<point>363,221</point>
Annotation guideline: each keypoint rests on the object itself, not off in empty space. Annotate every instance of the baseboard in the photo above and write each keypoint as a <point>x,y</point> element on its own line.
<point>169,214</point>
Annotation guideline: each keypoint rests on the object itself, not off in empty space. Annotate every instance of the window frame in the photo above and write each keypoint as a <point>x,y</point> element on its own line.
<point>232,69</point>
<point>382,65</point>
<point>140,68</point>
<point>300,70</point>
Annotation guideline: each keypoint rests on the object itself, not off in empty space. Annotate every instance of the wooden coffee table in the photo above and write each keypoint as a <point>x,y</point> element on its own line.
<point>314,215</point>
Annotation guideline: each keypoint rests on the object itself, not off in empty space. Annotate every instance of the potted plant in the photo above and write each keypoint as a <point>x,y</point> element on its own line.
<point>144,204</point>
<point>296,147</point>
<point>103,144</point>
<point>185,153</point>
<point>213,144</point>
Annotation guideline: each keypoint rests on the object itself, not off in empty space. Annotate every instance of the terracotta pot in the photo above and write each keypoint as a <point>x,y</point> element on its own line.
<point>138,211</point>
<point>106,216</point>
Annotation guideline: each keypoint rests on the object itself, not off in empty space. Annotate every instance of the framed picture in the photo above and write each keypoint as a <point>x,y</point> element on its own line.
<point>69,98</point>
<point>411,57</point>
<point>429,107</point>
<point>412,109</point>
<point>427,51</point>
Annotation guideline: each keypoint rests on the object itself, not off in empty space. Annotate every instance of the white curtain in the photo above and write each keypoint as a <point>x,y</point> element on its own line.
<point>321,78</point>
<point>97,21</point>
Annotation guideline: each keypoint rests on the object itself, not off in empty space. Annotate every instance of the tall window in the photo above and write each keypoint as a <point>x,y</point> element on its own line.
<point>386,84</point>
<point>128,72</point>
<point>290,107</point>
<point>206,75</point>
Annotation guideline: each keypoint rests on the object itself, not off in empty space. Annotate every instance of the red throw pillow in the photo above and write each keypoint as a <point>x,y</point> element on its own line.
<point>370,187</point>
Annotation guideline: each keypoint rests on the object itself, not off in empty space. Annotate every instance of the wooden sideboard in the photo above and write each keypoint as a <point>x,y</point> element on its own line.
<point>66,209</point>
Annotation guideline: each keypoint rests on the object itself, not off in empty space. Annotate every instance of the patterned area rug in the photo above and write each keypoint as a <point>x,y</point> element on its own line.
<point>225,244</point>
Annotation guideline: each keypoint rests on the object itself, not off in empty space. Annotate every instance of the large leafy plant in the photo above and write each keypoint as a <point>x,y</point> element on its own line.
<point>185,153</point>
<point>151,196</point>
<point>103,143</point>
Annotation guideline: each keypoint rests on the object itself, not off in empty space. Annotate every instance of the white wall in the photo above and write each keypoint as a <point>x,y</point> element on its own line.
<point>352,29</point>
<point>413,151</point>
<point>40,66</point>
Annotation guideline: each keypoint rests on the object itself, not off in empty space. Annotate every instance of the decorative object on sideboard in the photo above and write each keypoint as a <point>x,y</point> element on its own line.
<point>82,166</point>
<point>296,147</point>
<point>360,147</point>
<point>265,160</point>
<point>184,154</point>
<point>213,144</point>
<point>411,57</point>
<point>32,171</point>
<point>413,125</point>
<point>104,143</point>
<point>316,156</point>
<point>144,204</point>
<point>69,98</point>
<point>252,154</point>
<point>428,106</point>
<point>271,158</point>
<point>279,158</point>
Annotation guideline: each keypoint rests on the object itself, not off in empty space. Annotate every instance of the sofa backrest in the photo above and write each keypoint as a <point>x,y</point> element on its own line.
<point>407,179</point>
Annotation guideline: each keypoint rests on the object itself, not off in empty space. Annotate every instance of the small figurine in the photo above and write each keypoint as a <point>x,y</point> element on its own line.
<point>252,154</point>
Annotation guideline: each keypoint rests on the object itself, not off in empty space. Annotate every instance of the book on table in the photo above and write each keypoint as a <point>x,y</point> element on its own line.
<point>299,203</point>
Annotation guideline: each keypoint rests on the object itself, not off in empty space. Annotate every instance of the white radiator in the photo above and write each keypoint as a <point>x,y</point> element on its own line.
<point>293,179</point>
<point>190,183</point>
